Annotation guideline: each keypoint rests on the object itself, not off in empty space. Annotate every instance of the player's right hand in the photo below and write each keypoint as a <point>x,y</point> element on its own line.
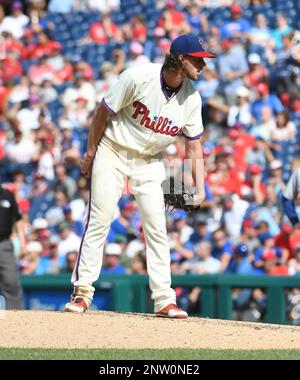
<point>86,165</point>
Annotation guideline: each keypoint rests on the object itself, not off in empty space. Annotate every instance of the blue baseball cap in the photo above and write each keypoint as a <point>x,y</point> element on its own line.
<point>189,44</point>
<point>242,250</point>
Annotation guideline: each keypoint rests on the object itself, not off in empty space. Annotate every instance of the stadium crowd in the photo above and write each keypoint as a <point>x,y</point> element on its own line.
<point>59,58</point>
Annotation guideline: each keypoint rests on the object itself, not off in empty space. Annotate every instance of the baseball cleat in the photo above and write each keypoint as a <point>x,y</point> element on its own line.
<point>172,311</point>
<point>77,305</point>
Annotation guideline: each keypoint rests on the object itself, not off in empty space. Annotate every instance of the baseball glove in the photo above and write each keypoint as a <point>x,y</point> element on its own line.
<point>177,195</point>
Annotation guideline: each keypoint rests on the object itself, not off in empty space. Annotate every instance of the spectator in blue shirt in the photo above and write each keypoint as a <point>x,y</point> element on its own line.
<point>75,225</point>
<point>123,225</point>
<point>236,24</point>
<point>241,261</point>
<point>60,6</point>
<point>222,249</point>
<point>282,29</point>
<point>232,66</point>
<point>263,253</point>
<point>265,99</point>
<point>111,263</point>
<point>200,234</point>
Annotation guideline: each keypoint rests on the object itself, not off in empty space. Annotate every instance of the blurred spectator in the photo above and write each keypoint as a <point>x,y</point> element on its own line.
<point>10,67</point>
<point>237,24</point>
<point>222,249</point>
<point>268,255</point>
<point>19,91</point>
<point>139,265</point>
<point>208,83</point>
<point>21,150</point>
<point>101,32</point>
<point>136,55</point>
<point>108,77</point>
<point>135,29</point>
<point>275,178</point>
<point>239,113</point>
<point>232,66</point>
<point>204,262</point>
<point>123,224</point>
<point>260,153</point>
<point>181,226</point>
<point>173,20</point>
<point>266,125</point>
<point>281,30</point>
<point>75,225</point>
<point>54,214</point>
<point>60,6</point>
<point>265,99</point>
<point>71,259</point>
<point>234,210</point>
<point>260,35</point>
<point>16,22</point>
<point>134,246</point>
<point>44,46</point>
<point>29,260</point>
<point>196,19</point>
<point>200,232</point>
<point>284,129</point>
<point>82,88</point>
<point>69,240</point>
<point>258,73</point>
<point>46,161</point>
<point>242,260</point>
<point>102,5</point>
<point>111,260</point>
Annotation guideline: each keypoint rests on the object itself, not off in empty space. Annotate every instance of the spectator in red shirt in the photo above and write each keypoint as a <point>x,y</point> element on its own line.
<point>41,71</point>
<point>282,240</point>
<point>66,73</point>
<point>12,44</point>
<point>45,46</point>
<point>135,29</point>
<point>101,32</point>
<point>252,188</point>
<point>223,180</point>
<point>173,21</point>
<point>10,67</point>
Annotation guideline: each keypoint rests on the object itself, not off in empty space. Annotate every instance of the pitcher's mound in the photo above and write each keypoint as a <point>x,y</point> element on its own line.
<point>43,329</point>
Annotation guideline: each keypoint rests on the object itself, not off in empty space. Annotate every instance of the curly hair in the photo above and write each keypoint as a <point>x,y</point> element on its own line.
<point>172,62</point>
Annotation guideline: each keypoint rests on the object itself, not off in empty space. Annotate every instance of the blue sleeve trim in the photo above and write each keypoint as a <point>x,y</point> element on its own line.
<point>193,138</point>
<point>108,107</point>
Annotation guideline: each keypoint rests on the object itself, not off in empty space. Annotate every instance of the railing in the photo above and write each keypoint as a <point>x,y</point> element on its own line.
<point>131,293</point>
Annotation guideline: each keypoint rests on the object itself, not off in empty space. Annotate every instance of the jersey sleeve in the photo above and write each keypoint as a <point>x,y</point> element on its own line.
<point>193,127</point>
<point>121,94</point>
<point>291,189</point>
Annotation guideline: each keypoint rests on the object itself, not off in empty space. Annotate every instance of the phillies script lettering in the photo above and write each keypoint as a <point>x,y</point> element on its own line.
<point>158,125</point>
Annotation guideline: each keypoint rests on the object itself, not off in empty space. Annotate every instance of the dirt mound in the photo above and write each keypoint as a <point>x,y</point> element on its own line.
<point>34,329</point>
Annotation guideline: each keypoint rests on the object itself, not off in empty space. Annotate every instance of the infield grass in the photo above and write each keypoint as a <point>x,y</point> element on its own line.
<point>166,354</point>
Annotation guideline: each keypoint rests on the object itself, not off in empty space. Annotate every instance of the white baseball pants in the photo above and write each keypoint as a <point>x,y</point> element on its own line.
<point>110,168</point>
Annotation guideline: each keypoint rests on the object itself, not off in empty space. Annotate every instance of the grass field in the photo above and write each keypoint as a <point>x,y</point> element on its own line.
<point>167,354</point>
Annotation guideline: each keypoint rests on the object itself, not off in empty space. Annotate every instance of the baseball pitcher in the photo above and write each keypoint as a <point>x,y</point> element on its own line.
<point>143,113</point>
